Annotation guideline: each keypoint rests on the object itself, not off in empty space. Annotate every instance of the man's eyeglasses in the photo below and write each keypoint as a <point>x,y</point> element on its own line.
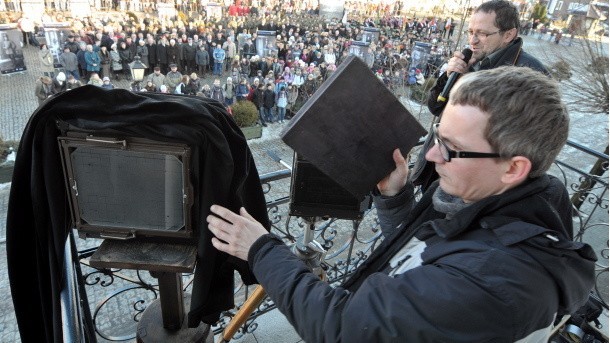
<point>479,35</point>
<point>448,154</point>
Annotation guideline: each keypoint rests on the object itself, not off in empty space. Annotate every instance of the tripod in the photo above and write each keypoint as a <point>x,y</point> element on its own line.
<point>308,250</point>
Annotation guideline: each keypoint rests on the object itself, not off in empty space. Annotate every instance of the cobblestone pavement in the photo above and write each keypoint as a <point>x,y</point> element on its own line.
<point>17,103</point>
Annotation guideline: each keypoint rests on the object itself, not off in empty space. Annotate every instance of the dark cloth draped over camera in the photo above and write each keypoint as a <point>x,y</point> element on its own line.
<point>38,216</point>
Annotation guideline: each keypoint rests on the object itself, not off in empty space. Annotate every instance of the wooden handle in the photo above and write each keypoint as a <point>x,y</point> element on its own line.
<point>242,315</point>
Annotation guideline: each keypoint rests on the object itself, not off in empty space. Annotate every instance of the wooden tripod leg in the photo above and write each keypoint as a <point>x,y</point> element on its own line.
<point>242,315</point>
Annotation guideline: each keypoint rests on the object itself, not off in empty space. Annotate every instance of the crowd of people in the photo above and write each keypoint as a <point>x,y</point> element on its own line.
<point>219,57</point>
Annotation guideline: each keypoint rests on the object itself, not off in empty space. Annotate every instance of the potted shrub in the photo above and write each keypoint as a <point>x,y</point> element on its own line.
<point>245,114</point>
<point>8,151</point>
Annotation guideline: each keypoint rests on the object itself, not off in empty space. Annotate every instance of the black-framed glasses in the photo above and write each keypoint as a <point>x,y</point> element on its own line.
<point>480,35</point>
<point>448,153</point>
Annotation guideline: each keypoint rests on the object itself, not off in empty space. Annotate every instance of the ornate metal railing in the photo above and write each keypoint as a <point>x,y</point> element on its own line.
<point>118,297</point>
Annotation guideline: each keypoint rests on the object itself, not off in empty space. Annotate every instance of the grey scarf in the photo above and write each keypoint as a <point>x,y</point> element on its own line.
<point>446,203</point>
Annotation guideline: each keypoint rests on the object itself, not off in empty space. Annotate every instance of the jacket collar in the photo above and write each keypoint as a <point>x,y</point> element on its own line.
<point>506,56</point>
<point>497,210</point>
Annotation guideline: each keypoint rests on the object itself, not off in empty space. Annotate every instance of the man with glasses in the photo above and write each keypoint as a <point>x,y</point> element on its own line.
<point>493,38</point>
<point>484,256</point>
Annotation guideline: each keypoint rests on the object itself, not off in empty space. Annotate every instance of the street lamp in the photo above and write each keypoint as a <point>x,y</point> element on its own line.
<point>137,69</point>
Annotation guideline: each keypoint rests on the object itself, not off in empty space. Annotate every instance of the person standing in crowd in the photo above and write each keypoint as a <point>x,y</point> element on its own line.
<point>281,101</point>
<point>93,61</point>
<point>72,82</point>
<point>46,61</point>
<point>71,44</point>
<point>269,102</point>
<point>142,52</point>
<point>173,78</point>
<point>242,91</point>
<point>115,62</point>
<point>82,62</point>
<point>105,60</point>
<point>181,88</point>
<point>298,79</point>
<point>69,62</point>
<point>162,55</point>
<point>189,51</point>
<point>217,92</point>
<point>194,85</point>
<point>202,59</point>
<point>229,92</point>
<point>258,98</point>
<point>230,49</point>
<point>95,80</point>
<point>293,94</point>
<point>156,78</point>
<point>151,46</point>
<point>173,53</point>
<point>27,27</point>
<point>126,58</point>
<point>485,255</point>
<point>59,83</point>
<point>44,89</point>
<point>248,50</point>
<point>150,86</point>
<point>206,91</point>
<point>219,58</point>
<point>106,83</point>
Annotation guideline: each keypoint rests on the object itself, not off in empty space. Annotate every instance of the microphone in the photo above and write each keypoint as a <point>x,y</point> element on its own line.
<point>453,78</point>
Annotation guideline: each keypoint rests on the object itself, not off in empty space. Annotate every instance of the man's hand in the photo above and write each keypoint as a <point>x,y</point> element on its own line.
<point>393,183</point>
<point>234,233</point>
<point>457,64</point>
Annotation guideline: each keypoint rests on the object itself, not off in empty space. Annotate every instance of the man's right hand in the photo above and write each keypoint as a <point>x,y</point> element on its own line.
<point>393,183</point>
<point>457,64</point>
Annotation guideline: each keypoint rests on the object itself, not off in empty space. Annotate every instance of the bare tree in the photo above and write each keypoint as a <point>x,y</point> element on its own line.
<point>582,69</point>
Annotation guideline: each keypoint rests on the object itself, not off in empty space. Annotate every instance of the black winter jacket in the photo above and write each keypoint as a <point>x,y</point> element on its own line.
<point>513,54</point>
<point>38,219</point>
<point>499,271</point>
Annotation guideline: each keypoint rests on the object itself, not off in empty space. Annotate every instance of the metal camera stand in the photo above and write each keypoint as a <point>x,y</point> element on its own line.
<point>308,250</point>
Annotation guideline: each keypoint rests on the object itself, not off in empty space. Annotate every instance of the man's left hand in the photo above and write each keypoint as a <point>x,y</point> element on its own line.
<point>234,233</point>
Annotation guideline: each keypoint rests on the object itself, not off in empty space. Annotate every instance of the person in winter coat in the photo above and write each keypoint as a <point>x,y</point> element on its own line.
<point>173,52</point>
<point>189,51</point>
<point>217,93</point>
<point>242,91</point>
<point>194,85</point>
<point>44,89</point>
<point>486,255</point>
<point>105,61</point>
<point>126,58</point>
<point>219,58</point>
<point>46,61</point>
<point>173,78</point>
<point>206,91</point>
<point>115,62</point>
<point>229,92</point>
<point>202,58</point>
<point>142,51</point>
<point>281,101</point>
<point>59,83</point>
<point>69,62</point>
<point>269,102</point>
<point>258,99</point>
<point>156,78</point>
<point>162,55</point>
<point>94,63</point>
